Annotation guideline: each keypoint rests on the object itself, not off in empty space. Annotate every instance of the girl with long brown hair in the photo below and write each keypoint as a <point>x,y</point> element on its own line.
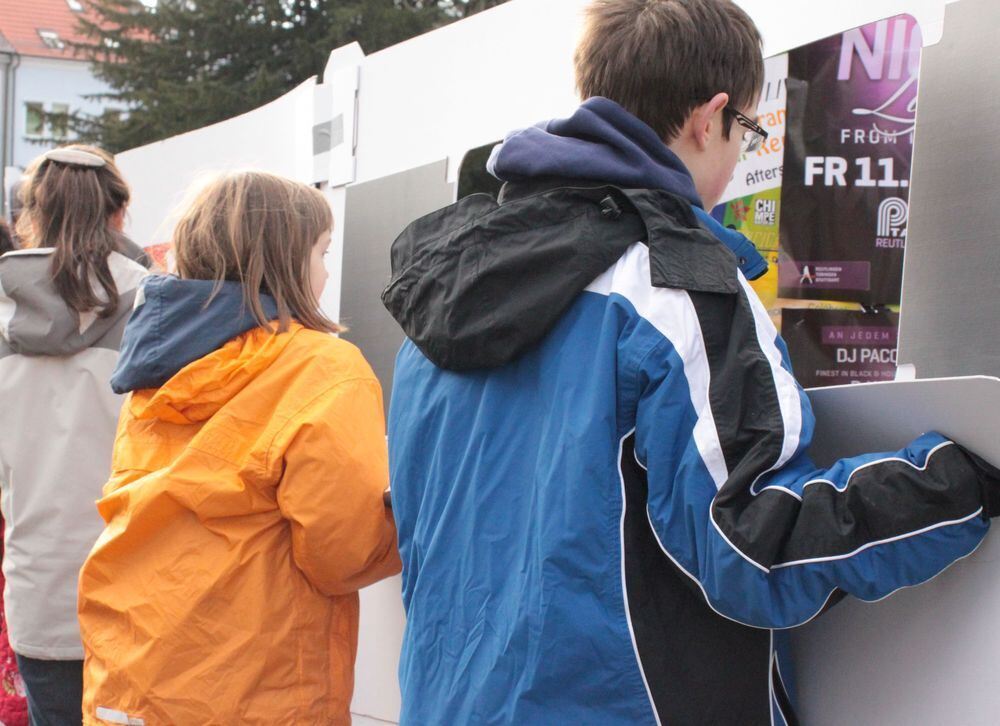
<point>64,299</point>
<point>245,509</point>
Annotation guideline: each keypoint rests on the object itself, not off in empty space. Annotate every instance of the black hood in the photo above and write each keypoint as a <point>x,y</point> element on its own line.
<point>477,283</point>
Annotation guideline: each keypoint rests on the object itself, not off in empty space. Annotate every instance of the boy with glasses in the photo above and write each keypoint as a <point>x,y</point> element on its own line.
<point>606,509</point>
<point>754,134</point>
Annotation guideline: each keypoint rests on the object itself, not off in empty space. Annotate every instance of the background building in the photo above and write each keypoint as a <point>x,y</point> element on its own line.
<point>41,79</point>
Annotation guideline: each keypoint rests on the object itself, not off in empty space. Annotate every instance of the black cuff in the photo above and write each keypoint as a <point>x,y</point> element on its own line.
<point>989,482</point>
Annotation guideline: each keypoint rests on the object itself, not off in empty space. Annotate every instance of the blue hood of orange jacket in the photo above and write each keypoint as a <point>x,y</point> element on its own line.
<point>176,322</point>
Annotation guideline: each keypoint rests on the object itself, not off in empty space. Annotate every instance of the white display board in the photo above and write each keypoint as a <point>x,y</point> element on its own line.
<point>275,138</point>
<point>422,100</point>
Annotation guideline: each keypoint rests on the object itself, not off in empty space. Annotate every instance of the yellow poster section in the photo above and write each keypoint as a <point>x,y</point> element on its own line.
<point>758,217</point>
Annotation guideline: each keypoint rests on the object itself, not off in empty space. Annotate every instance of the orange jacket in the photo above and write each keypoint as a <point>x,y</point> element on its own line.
<point>243,514</point>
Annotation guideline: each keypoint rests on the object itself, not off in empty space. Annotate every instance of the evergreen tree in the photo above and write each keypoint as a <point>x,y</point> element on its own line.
<point>177,65</point>
<point>465,8</point>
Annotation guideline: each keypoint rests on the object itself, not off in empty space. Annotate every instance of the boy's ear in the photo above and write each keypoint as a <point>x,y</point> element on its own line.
<point>703,119</point>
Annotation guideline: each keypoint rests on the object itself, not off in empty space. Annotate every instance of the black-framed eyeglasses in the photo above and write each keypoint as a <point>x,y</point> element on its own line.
<point>754,136</point>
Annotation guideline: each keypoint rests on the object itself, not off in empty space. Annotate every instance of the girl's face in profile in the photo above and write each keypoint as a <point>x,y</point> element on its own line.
<point>317,265</point>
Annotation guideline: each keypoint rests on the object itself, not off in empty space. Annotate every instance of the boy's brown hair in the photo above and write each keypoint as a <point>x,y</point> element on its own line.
<point>659,59</point>
<point>257,229</point>
<point>68,207</point>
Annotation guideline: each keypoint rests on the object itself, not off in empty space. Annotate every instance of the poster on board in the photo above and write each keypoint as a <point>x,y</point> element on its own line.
<point>832,347</point>
<point>825,199</point>
<point>851,107</point>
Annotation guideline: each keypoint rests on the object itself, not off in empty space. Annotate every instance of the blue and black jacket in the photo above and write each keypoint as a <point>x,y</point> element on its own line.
<point>600,475</point>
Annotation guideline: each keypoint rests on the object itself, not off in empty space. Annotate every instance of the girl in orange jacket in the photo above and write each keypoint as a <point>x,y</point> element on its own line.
<point>245,507</point>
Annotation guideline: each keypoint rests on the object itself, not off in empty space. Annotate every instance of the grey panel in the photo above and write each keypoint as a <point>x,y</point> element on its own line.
<point>927,655</point>
<point>328,135</point>
<point>376,212</point>
<point>950,303</point>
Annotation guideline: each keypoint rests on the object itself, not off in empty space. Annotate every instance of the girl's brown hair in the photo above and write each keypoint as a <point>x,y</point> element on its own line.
<point>6,239</point>
<point>257,229</point>
<point>68,206</point>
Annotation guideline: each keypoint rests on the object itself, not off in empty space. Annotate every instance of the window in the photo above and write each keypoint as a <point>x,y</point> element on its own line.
<point>75,5</point>
<point>51,39</point>
<point>59,120</point>
<point>34,119</point>
<point>38,116</point>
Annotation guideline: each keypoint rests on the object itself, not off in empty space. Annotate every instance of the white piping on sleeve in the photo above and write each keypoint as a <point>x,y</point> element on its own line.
<point>708,600</point>
<point>854,471</point>
<point>929,579</point>
<point>783,565</point>
<point>887,540</point>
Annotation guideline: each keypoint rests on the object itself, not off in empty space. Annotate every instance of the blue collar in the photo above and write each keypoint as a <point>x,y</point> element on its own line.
<point>603,142</point>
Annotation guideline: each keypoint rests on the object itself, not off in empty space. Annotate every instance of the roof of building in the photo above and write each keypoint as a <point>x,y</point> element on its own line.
<point>5,46</point>
<point>42,28</point>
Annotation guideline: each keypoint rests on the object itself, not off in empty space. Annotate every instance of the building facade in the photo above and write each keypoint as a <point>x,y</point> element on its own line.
<point>42,81</point>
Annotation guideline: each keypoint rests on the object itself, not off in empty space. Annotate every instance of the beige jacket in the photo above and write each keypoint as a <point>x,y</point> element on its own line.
<point>57,428</point>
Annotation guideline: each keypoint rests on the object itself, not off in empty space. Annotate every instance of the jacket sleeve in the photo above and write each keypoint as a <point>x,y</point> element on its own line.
<point>335,470</point>
<point>723,431</point>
